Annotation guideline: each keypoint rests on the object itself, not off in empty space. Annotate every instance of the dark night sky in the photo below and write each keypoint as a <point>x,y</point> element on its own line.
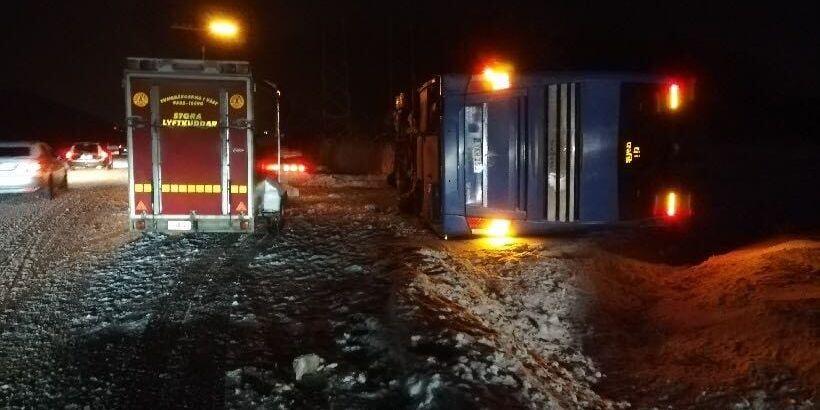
<point>756,66</point>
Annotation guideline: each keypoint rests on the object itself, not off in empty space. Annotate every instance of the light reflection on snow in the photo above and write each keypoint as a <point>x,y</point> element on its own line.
<point>496,242</point>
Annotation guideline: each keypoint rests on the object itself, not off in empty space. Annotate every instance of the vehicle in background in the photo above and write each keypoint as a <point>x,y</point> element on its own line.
<point>294,165</point>
<point>88,155</point>
<point>116,149</point>
<point>191,147</point>
<point>30,167</point>
<point>119,156</point>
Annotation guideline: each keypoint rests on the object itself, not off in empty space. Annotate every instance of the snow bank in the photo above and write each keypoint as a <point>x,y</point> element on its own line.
<point>341,181</point>
<point>738,330</point>
<point>517,303</point>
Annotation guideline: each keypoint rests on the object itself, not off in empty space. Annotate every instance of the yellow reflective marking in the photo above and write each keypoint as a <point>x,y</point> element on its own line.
<point>137,187</point>
<point>146,187</point>
<point>234,189</point>
<point>189,188</point>
<point>243,189</point>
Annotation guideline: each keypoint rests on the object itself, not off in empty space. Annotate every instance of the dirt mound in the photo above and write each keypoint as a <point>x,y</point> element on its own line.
<point>738,329</point>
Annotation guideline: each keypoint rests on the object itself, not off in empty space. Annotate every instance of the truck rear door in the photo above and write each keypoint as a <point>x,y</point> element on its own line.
<point>190,143</point>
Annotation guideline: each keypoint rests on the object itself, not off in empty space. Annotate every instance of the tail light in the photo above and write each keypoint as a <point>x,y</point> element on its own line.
<point>673,97</point>
<point>70,154</point>
<point>673,205</point>
<point>274,167</point>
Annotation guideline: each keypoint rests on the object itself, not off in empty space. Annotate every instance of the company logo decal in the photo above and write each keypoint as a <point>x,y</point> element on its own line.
<point>237,101</point>
<point>140,99</point>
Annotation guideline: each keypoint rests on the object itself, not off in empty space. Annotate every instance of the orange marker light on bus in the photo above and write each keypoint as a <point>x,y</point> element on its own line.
<point>498,228</point>
<point>497,77</point>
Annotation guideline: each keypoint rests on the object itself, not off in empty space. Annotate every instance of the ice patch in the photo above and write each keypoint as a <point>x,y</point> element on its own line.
<point>306,365</point>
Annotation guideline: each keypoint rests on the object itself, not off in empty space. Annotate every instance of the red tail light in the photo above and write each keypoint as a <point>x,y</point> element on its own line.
<point>673,99</point>
<point>274,167</point>
<point>673,205</point>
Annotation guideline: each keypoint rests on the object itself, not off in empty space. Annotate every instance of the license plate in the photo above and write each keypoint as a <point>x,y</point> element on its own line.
<point>179,225</point>
<point>85,156</point>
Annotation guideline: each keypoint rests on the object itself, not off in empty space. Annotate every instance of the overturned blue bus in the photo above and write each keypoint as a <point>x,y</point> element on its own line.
<point>499,154</point>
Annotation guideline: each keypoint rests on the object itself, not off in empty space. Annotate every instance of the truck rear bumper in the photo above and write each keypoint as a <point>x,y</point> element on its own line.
<point>186,223</point>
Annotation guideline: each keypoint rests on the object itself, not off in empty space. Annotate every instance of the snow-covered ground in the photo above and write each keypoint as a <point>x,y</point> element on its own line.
<point>81,178</point>
<point>356,306</point>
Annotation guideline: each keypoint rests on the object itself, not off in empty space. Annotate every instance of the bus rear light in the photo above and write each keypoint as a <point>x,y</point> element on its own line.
<point>673,205</point>
<point>674,97</point>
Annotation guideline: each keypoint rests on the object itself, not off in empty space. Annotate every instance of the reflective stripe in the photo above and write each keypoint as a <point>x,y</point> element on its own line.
<point>191,188</point>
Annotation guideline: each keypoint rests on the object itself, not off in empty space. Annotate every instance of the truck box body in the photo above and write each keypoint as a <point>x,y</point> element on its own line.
<point>548,152</point>
<point>191,145</point>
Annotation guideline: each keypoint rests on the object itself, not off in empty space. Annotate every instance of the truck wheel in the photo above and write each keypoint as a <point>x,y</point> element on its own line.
<point>274,224</point>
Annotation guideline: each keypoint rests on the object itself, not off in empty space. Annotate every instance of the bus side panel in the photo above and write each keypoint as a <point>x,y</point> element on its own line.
<point>599,161</point>
<point>140,102</point>
<point>238,150</point>
<point>190,148</point>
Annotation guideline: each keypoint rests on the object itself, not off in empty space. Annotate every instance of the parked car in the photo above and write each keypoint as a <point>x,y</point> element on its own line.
<point>88,155</point>
<point>119,156</point>
<point>30,167</point>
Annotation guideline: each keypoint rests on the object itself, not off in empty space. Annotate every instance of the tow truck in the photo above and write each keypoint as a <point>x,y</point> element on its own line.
<point>190,137</point>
